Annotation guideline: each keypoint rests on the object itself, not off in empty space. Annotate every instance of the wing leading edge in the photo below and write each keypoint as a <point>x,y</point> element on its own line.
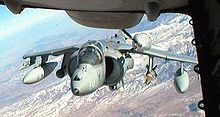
<point>166,55</point>
<point>54,52</point>
<point>66,51</point>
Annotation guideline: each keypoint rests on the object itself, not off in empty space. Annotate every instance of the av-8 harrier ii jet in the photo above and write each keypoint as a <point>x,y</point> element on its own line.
<point>103,62</point>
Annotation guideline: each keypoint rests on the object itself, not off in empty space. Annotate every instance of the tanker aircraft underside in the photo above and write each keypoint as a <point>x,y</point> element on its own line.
<point>103,62</point>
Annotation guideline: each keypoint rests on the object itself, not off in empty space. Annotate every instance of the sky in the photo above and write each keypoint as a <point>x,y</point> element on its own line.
<point>10,23</point>
<point>18,33</point>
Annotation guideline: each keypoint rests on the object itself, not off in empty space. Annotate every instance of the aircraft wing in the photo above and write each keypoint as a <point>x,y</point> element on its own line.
<point>54,52</point>
<point>166,55</point>
<point>66,51</point>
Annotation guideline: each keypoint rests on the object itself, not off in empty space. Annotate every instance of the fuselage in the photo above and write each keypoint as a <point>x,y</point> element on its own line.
<point>89,75</point>
<point>98,64</point>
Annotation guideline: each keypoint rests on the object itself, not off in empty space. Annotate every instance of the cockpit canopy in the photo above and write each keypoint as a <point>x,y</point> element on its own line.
<point>90,55</point>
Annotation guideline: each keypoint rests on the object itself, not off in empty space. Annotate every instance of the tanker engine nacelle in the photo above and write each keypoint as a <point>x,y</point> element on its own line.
<point>181,80</point>
<point>14,5</point>
<point>142,41</point>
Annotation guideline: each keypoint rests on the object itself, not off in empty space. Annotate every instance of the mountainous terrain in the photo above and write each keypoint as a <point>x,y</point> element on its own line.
<point>52,96</point>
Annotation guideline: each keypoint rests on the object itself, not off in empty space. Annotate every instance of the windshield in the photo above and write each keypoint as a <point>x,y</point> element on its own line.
<point>90,55</point>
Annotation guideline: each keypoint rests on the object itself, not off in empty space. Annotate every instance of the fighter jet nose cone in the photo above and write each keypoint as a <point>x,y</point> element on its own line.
<point>75,91</point>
